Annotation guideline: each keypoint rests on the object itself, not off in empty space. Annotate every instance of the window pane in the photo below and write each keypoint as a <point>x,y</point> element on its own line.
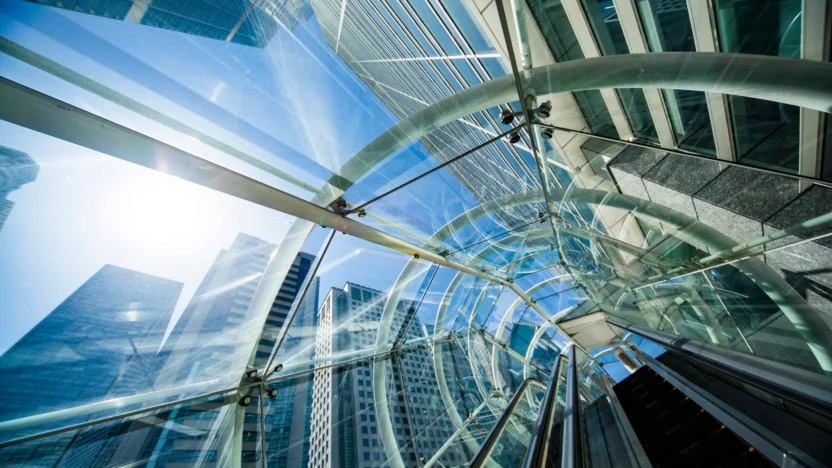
<point>603,19</point>
<point>669,30</point>
<point>766,134</point>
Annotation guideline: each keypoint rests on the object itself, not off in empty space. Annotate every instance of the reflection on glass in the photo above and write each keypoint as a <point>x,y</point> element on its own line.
<point>669,30</point>
<point>193,433</point>
<point>513,441</point>
<point>766,134</point>
<point>155,288</point>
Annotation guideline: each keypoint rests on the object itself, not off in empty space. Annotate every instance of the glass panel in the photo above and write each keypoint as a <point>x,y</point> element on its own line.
<point>766,133</point>
<point>155,286</point>
<point>264,89</point>
<point>420,209</point>
<point>193,433</point>
<point>343,314</point>
<point>513,442</point>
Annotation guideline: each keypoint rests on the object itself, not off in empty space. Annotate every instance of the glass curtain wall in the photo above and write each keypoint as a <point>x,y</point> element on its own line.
<point>765,134</point>
<point>603,19</point>
<point>668,29</point>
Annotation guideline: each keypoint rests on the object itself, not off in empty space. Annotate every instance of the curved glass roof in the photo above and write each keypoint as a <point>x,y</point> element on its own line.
<point>346,232</point>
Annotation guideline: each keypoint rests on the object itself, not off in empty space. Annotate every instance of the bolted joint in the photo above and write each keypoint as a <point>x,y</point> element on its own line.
<point>507,116</point>
<point>245,401</point>
<point>271,392</point>
<point>339,206</point>
<point>544,111</point>
<point>251,375</point>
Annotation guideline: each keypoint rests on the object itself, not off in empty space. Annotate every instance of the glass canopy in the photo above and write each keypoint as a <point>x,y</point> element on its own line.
<point>355,232</point>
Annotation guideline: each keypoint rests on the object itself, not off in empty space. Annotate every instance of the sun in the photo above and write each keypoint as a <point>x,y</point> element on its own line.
<point>163,216</point>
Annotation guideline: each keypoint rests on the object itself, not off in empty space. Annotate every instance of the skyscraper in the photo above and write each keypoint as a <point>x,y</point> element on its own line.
<point>100,342</point>
<point>343,420</point>
<point>206,343</point>
<point>16,169</point>
<point>247,22</point>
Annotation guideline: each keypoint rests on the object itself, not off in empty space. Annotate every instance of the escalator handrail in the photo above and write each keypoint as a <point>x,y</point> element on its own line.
<point>536,454</point>
<point>481,457</point>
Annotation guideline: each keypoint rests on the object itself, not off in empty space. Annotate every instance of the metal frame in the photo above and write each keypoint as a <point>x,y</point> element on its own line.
<point>571,449</point>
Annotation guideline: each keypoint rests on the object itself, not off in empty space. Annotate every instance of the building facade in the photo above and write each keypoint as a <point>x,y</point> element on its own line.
<point>344,419</point>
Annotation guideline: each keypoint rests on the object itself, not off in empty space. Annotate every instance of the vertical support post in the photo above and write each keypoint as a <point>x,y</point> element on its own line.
<point>704,36</point>
<point>538,445</point>
<point>815,23</point>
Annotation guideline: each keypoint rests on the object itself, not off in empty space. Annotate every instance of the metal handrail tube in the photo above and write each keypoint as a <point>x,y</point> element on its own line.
<point>570,451</point>
<point>805,388</point>
<point>495,433</point>
<point>539,444</point>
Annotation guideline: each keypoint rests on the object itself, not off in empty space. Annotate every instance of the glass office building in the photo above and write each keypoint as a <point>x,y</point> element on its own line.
<point>415,233</point>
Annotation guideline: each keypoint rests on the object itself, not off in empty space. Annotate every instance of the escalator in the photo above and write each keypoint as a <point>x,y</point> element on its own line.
<point>675,431</point>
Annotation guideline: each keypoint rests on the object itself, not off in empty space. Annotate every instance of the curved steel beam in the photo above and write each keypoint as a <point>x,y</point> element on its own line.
<point>532,345</point>
<point>801,83</point>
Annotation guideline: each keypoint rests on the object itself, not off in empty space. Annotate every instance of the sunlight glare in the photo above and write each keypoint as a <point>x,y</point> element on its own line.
<point>163,216</point>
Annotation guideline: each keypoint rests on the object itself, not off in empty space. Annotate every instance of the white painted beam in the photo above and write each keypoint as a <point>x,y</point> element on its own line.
<point>583,31</point>
<point>637,43</point>
<point>816,26</point>
<point>704,36</point>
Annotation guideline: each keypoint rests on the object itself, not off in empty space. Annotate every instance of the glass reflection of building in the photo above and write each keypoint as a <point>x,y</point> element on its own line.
<point>99,343</point>
<point>118,320</point>
<point>344,418</point>
<point>366,37</point>
<point>210,341</point>
<point>16,170</point>
<point>251,23</point>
